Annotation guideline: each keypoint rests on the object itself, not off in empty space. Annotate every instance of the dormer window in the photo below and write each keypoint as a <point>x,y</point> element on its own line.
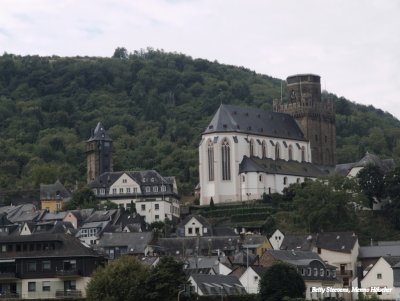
<point>163,188</point>
<point>152,180</point>
<point>124,180</point>
<point>147,189</point>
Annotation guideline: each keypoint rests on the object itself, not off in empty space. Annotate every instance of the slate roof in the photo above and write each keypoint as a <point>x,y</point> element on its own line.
<point>369,159</point>
<point>201,262</point>
<point>270,166</point>
<point>254,121</point>
<point>259,269</point>
<point>334,241</point>
<point>54,191</point>
<point>302,258</point>
<point>54,216</point>
<point>66,246</point>
<point>188,245</point>
<point>4,220</point>
<point>203,221</point>
<point>101,215</point>
<point>379,251</point>
<point>393,261</point>
<point>135,242</point>
<point>142,178</point>
<point>99,133</point>
<point>214,284</point>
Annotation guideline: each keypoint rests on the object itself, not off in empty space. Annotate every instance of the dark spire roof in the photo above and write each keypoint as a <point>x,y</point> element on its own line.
<point>254,121</point>
<point>99,133</point>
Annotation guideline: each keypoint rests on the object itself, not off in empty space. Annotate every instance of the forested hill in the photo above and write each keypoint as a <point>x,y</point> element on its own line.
<point>155,106</point>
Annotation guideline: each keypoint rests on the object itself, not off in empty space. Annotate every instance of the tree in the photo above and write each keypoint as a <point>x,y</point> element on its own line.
<point>212,205</point>
<point>82,198</point>
<point>371,182</point>
<point>164,280</point>
<point>120,53</point>
<point>279,281</point>
<point>121,280</point>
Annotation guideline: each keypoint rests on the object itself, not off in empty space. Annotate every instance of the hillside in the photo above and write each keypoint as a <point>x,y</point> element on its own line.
<point>155,106</point>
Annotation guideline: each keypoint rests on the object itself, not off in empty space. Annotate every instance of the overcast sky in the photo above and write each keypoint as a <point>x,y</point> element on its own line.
<point>354,45</point>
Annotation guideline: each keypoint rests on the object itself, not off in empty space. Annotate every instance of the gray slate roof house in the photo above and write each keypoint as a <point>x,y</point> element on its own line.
<point>369,159</point>
<point>216,285</point>
<point>55,191</point>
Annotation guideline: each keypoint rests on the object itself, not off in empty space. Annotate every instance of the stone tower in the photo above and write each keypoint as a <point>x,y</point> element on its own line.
<point>98,153</point>
<point>315,117</point>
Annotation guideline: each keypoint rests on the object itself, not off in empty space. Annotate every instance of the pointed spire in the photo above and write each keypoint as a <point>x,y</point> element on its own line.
<point>100,133</point>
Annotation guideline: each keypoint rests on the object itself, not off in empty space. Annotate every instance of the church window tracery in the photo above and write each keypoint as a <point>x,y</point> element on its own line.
<point>226,160</point>
<point>210,155</point>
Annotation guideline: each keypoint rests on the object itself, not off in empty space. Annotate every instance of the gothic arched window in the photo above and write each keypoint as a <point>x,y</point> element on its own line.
<point>303,154</point>
<point>226,160</point>
<point>264,149</point>
<point>285,181</point>
<point>210,157</point>
<point>290,152</point>
<point>251,148</point>
<point>277,151</point>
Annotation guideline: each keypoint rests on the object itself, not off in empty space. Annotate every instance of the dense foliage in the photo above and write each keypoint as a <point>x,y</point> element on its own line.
<point>279,281</point>
<point>155,106</point>
<point>128,279</point>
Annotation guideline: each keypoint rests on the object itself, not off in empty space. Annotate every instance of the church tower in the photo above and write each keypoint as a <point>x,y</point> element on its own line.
<point>98,153</point>
<point>315,117</point>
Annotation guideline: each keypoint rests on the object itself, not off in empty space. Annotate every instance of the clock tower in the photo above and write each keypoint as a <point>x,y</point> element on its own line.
<point>316,117</point>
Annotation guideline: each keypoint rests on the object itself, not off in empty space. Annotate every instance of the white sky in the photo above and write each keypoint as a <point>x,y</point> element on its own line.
<point>354,45</point>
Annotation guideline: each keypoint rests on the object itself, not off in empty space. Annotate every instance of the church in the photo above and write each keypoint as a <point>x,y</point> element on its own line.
<point>246,152</point>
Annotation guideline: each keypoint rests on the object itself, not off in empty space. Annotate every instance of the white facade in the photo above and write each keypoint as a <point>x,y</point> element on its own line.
<point>381,276</point>
<point>276,239</point>
<point>240,145</point>
<point>250,280</point>
<point>193,228</point>
<point>158,210</point>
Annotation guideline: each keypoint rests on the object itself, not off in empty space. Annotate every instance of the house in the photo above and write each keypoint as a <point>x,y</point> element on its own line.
<point>256,244</point>
<point>41,266</point>
<point>216,285</point>
<point>206,245</point>
<point>91,232</point>
<point>197,225</point>
<point>250,279</point>
<point>53,197</point>
<point>276,239</point>
<point>115,245</point>
<point>247,152</point>
<point>155,197</point>
<point>77,217</point>
<point>212,265</point>
<point>314,270</point>
<point>339,249</point>
<point>382,279</point>
<point>369,255</point>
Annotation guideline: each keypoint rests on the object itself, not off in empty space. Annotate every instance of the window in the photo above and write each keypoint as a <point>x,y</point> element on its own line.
<point>321,272</point>
<point>260,178</point>
<point>155,188</point>
<point>124,181</point>
<point>243,179</point>
<point>135,189</point>
<point>148,189</point>
<point>31,286</point>
<point>190,230</point>
<point>157,217</point>
<point>303,271</point>
<point>264,149</point>
<point>285,181</point>
<point>152,180</point>
<point>46,286</point>
<point>277,151</point>
<point>156,206</point>
<point>379,276</point>
<point>290,152</point>
<point>46,265</point>
<point>298,180</point>
<point>319,250</point>
<point>31,266</point>
<point>308,271</point>
<point>303,154</point>
<point>114,190</point>
<point>315,272</point>
<point>197,230</point>
<point>328,273</point>
<point>3,248</point>
<point>70,285</point>
<point>102,191</point>
<point>143,208</point>
<point>226,160</point>
<point>163,188</point>
<point>210,157</point>
<point>251,148</point>
<point>70,265</point>
<point>128,190</point>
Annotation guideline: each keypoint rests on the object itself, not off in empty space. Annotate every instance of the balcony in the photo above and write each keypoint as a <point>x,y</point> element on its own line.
<point>8,295</point>
<point>344,273</point>
<point>69,294</point>
<point>72,273</point>
<point>8,276</point>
